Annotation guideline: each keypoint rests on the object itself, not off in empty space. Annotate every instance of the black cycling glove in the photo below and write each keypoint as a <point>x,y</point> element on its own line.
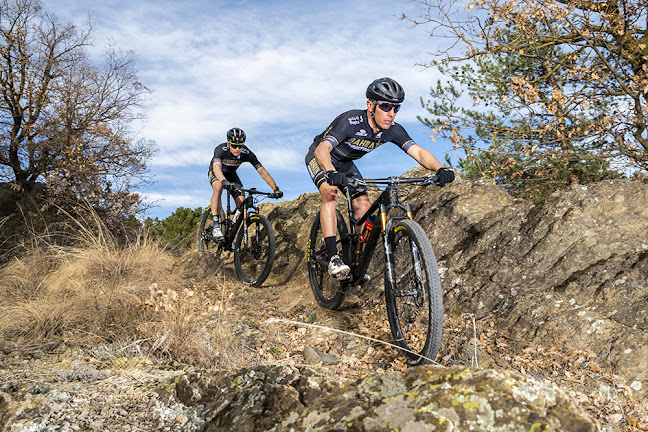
<point>228,185</point>
<point>445,176</point>
<point>335,178</point>
<point>276,194</point>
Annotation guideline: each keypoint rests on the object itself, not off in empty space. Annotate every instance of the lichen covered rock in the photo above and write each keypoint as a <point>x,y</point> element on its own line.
<point>284,398</point>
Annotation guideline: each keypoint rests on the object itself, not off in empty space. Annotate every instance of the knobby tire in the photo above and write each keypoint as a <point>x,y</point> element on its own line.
<point>415,301</point>
<point>205,243</point>
<point>254,262</point>
<point>328,291</point>
<point>206,225</point>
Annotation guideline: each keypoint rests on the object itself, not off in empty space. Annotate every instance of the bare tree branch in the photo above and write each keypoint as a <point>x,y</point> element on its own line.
<point>65,120</point>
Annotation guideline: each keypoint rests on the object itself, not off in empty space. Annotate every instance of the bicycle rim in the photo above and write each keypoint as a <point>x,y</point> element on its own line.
<point>253,259</point>
<point>206,226</point>
<point>328,291</point>
<point>414,297</point>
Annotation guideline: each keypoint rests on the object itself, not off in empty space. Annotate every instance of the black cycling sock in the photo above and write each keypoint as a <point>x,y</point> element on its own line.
<point>331,247</point>
<point>216,220</point>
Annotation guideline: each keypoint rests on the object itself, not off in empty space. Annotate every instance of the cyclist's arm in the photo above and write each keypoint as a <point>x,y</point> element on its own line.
<point>424,157</point>
<point>267,177</point>
<point>218,170</point>
<point>323,156</point>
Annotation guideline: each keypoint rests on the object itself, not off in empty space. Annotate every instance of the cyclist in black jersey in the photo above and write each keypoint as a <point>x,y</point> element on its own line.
<point>228,157</point>
<point>350,136</point>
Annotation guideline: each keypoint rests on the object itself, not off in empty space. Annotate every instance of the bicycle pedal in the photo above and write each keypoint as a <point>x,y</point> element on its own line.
<point>343,277</point>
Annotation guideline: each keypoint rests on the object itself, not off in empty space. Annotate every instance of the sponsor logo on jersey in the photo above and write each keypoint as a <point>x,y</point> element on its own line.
<point>363,144</point>
<point>361,132</point>
<point>355,120</point>
<point>379,135</point>
<point>231,162</point>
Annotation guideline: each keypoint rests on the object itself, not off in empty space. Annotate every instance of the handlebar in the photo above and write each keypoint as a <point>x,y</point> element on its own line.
<point>254,191</point>
<point>424,181</point>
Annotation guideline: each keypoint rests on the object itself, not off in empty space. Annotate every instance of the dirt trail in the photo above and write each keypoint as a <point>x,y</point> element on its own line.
<point>270,325</point>
<point>285,319</point>
<point>465,342</point>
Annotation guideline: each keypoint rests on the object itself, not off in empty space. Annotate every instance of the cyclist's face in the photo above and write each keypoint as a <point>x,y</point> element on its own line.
<point>235,149</point>
<point>383,119</point>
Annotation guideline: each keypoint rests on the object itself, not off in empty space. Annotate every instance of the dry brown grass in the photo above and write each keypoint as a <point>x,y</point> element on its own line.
<point>95,292</point>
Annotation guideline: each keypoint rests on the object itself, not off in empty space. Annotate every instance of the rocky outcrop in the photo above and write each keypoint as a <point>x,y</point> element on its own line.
<point>570,271</point>
<point>293,398</point>
<point>284,398</point>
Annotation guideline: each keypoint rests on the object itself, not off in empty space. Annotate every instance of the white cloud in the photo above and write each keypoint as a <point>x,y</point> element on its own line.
<point>281,70</point>
<point>178,199</point>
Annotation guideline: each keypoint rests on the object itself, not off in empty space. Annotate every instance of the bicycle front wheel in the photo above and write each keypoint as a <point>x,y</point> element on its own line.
<point>328,291</point>
<point>413,293</point>
<point>254,250</point>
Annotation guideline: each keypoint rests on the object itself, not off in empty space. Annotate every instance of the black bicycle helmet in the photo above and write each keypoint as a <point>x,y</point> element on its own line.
<point>386,89</point>
<point>236,136</point>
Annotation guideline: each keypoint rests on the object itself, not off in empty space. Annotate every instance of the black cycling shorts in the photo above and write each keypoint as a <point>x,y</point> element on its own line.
<point>318,175</point>
<point>230,176</point>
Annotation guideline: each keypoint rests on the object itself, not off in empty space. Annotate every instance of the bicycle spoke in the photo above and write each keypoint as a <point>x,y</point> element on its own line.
<point>205,241</point>
<point>254,254</point>
<point>325,288</point>
<point>328,285</point>
<point>254,251</point>
<point>410,303</point>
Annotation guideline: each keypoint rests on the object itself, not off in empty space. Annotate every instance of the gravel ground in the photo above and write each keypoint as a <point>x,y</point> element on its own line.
<point>59,388</point>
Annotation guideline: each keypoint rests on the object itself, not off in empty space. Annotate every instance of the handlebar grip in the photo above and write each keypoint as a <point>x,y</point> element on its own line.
<point>433,180</point>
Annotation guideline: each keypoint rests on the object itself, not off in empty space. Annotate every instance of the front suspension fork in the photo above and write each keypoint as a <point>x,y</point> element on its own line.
<point>389,261</point>
<point>389,257</point>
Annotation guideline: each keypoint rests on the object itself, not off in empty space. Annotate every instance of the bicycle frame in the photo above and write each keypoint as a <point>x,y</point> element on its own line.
<point>386,201</point>
<point>247,207</point>
<point>413,291</point>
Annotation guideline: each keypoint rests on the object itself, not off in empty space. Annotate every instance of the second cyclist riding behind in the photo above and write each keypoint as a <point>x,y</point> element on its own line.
<point>227,158</point>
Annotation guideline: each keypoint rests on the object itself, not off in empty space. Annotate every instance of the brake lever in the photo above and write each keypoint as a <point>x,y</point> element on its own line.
<point>352,182</point>
<point>433,180</point>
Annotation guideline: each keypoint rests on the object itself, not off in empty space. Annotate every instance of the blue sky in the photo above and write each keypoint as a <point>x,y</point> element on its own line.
<point>280,70</point>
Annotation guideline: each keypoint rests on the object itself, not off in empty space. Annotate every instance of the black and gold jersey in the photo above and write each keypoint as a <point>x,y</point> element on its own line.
<point>352,137</point>
<point>229,162</point>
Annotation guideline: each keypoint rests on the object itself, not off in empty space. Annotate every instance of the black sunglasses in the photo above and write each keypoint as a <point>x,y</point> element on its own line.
<point>385,106</point>
<point>236,146</point>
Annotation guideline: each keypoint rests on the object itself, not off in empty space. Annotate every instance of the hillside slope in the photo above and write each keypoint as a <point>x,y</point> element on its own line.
<point>569,272</point>
<point>550,298</point>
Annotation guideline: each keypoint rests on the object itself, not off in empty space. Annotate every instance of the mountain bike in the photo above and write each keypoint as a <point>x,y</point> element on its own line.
<point>247,232</point>
<point>413,293</point>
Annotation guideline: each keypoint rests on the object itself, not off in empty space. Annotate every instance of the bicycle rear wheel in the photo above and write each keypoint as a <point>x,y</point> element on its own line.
<point>253,259</point>
<point>413,293</point>
<point>205,241</point>
<point>328,291</point>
